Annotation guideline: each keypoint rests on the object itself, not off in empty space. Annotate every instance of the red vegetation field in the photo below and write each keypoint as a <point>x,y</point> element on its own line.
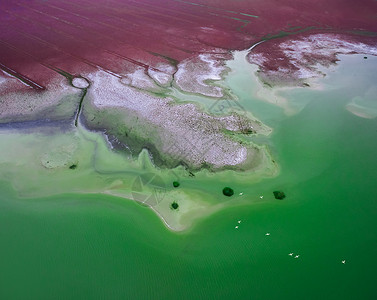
<point>42,39</point>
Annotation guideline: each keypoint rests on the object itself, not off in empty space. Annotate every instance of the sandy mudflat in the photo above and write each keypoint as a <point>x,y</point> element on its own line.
<point>21,103</point>
<point>174,133</point>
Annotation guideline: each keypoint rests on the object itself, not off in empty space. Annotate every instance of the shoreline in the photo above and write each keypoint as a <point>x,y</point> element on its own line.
<point>194,204</point>
<point>102,171</point>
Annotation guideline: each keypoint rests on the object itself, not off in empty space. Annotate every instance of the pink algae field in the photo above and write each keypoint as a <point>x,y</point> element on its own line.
<point>41,40</point>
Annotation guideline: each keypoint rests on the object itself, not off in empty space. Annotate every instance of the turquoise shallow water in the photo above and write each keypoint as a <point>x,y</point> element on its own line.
<point>75,246</point>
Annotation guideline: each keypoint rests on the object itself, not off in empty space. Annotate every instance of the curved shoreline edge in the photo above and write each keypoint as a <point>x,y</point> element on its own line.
<point>163,211</point>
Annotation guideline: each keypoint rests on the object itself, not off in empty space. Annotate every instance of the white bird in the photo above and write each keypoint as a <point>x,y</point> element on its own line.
<point>241,194</point>
<point>268,233</point>
<point>261,197</point>
<point>343,261</point>
<point>239,221</point>
<point>290,254</point>
<point>297,256</point>
<point>236,227</point>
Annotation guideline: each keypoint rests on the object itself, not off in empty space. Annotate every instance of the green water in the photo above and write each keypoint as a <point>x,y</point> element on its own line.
<point>92,246</point>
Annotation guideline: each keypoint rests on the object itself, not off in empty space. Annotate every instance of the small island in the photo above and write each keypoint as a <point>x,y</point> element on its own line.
<point>279,195</point>
<point>227,191</point>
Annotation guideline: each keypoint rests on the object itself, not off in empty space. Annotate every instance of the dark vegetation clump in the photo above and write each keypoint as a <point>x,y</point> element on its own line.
<point>248,131</point>
<point>174,205</point>
<point>72,167</point>
<point>227,191</point>
<point>176,184</point>
<point>279,195</point>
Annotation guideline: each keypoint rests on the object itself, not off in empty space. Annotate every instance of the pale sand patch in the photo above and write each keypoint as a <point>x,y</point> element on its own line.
<point>163,74</point>
<point>272,96</point>
<point>80,82</point>
<point>198,74</point>
<point>361,111</point>
<point>365,105</point>
<point>191,208</point>
<point>139,79</point>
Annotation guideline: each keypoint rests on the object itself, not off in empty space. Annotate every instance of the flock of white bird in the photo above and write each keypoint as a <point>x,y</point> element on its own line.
<point>268,234</point>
